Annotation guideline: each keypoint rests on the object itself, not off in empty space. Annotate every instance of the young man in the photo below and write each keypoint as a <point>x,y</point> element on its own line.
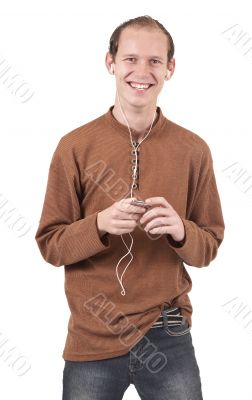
<point>131,323</point>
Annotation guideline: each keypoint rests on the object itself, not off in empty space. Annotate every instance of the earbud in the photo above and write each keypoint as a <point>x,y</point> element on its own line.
<point>168,74</point>
<point>111,69</point>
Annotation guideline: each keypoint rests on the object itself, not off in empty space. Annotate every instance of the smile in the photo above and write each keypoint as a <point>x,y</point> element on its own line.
<point>140,86</point>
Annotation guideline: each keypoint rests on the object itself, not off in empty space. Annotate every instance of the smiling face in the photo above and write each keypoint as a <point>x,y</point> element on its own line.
<point>140,66</point>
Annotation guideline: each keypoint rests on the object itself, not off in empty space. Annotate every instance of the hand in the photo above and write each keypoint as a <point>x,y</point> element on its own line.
<point>162,218</point>
<point>122,217</point>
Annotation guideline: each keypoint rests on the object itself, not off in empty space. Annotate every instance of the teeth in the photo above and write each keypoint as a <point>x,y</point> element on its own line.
<point>139,85</point>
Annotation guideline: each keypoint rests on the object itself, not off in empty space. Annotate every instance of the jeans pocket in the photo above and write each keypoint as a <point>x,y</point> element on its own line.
<point>179,330</point>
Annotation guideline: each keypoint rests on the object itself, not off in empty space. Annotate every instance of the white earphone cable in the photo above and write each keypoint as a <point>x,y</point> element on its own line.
<point>134,178</point>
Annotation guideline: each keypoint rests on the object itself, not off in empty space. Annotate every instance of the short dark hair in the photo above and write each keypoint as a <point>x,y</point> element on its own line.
<point>142,21</point>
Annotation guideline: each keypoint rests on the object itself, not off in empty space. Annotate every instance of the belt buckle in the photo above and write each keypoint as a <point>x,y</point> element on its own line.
<point>171,319</point>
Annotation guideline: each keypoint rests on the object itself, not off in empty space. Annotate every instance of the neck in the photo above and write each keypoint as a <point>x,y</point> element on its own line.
<point>139,120</point>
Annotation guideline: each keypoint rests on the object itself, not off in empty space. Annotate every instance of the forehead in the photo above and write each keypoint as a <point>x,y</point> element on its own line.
<point>143,41</point>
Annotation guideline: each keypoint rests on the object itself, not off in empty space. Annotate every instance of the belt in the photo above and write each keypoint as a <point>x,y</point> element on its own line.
<point>174,318</point>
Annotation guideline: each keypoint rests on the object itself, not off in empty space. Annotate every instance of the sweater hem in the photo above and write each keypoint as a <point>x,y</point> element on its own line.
<point>102,356</point>
<point>96,357</point>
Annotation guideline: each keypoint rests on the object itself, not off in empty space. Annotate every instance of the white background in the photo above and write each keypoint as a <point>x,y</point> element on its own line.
<point>59,49</point>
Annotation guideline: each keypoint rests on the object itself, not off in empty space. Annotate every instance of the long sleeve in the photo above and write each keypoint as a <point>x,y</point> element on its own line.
<point>64,236</point>
<point>204,229</point>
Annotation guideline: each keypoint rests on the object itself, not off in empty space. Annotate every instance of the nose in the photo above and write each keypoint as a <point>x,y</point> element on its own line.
<point>142,70</point>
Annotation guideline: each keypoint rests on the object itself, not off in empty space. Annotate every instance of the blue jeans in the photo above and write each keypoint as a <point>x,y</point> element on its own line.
<point>161,366</point>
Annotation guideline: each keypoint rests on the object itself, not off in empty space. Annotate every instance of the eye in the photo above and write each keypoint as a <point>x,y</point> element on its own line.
<point>130,58</point>
<point>156,61</point>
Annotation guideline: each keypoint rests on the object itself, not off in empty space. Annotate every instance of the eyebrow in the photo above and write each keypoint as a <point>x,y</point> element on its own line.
<point>135,55</point>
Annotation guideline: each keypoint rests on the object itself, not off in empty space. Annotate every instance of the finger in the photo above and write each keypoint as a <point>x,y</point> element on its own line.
<point>125,205</point>
<point>159,230</point>
<point>153,213</point>
<point>135,216</point>
<point>156,223</point>
<point>131,209</point>
<point>155,201</point>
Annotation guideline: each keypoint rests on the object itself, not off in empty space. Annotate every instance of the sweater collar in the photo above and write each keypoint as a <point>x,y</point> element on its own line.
<point>123,129</point>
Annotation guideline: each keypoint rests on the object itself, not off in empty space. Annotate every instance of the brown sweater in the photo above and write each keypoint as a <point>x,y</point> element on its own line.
<point>91,168</point>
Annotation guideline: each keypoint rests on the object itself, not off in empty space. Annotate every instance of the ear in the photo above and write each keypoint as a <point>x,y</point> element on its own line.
<point>108,62</point>
<point>170,69</point>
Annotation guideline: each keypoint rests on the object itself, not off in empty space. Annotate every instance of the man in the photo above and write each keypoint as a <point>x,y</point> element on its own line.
<point>131,326</point>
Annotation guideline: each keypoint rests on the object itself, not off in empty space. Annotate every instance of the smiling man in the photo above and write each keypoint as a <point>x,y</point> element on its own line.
<point>141,64</point>
<point>131,171</point>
